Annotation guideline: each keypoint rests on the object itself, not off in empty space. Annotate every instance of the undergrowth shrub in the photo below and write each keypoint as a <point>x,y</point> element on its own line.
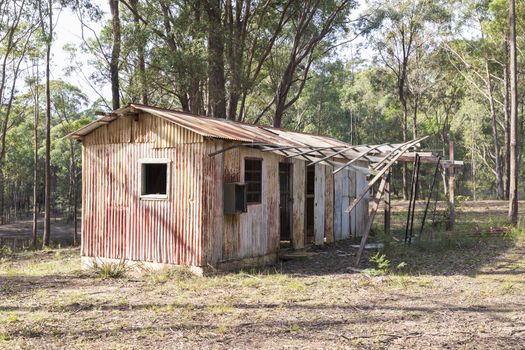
<point>105,269</point>
<point>5,251</point>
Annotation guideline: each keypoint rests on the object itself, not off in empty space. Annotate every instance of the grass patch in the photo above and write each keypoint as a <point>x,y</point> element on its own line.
<point>106,269</point>
<point>41,263</point>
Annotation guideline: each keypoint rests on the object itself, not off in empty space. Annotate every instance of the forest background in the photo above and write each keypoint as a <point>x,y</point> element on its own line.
<point>363,72</point>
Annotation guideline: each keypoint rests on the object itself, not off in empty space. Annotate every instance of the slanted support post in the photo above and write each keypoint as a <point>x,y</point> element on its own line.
<point>451,185</point>
<point>387,204</point>
<point>373,211</point>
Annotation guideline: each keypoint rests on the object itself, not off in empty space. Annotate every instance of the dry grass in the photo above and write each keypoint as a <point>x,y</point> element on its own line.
<point>467,292</point>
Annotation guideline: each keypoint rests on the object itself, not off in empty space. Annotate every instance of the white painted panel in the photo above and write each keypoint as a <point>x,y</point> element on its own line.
<point>345,217</point>
<point>351,196</point>
<point>338,205</point>
<point>362,206</point>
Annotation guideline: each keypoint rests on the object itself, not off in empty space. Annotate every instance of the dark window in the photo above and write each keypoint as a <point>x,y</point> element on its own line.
<point>154,178</point>
<point>253,180</point>
<point>310,180</point>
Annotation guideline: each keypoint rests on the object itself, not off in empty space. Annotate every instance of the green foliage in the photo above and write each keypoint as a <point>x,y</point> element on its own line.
<point>380,261</point>
<point>5,251</point>
<point>381,265</point>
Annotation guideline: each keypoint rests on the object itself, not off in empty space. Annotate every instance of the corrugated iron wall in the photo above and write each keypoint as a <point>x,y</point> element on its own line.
<point>117,223</point>
<point>251,234</point>
<point>189,227</point>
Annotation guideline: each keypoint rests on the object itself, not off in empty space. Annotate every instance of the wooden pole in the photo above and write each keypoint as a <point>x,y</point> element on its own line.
<point>373,212</point>
<point>416,179</point>
<point>429,198</point>
<point>387,204</point>
<point>451,201</point>
<point>410,200</point>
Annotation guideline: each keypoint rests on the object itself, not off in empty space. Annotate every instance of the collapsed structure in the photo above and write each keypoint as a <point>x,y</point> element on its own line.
<point>167,187</point>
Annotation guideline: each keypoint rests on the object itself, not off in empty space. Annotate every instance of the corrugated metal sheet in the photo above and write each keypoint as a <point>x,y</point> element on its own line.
<point>189,227</point>
<point>243,132</point>
<point>222,129</point>
<point>118,224</point>
<point>251,234</point>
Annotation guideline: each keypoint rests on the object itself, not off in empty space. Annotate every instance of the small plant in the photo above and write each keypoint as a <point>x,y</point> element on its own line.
<point>295,328</point>
<point>381,265</point>
<point>460,200</point>
<point>401,266</point>
<point>381,262</point>
<point>107,270</point>
<point>516,233</point>
<point>5,251</point>
<point>12,318</point>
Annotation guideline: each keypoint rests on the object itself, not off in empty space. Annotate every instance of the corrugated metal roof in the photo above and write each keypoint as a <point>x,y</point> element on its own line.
<point>252,134</point>
<point>220,128</point>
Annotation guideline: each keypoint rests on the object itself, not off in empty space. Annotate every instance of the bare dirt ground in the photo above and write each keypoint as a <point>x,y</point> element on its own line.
<point>19,234</point>
<point>455,292</point>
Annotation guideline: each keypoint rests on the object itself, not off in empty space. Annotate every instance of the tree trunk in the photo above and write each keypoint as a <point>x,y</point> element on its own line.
<point>5,126</point>
<point>513,186</point>
<point>497,148</point>
<point>140,53</point>
<point>282,93</point>
<point>216,83</point>
<point>115,54</point>
<point>415,108</point>
<point>405,138</point>
<point>506,102</point>
<point>47,200</point>
<point>35,165</point>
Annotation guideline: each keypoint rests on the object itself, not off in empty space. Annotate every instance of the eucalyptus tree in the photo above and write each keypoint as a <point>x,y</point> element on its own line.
<point>514,165</point>
<point>46,23</point>
<point>399,31</point>
<point>114,63</point>
<point>311,32</point>
<point>18,24</point>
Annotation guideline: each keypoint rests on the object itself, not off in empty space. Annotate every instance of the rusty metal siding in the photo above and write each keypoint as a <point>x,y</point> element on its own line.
<point>212,201</point>
<point>189,227</point>
<point>147,129</point>
<point>255,233</point>
<point>117,223</point>
<point>171,135</point>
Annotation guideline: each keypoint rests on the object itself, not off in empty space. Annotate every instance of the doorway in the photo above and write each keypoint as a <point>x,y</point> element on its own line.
<point>285,204</point>
<point>310,204</point>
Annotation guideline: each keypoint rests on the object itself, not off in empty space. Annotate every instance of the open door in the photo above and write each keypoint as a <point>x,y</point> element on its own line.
<point>310,204</point>
<point>285,207</point>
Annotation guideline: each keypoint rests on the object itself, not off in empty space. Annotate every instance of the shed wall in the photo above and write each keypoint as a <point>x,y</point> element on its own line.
<point>117,223</point>
<point>251,234</point>
<point>189,227</point>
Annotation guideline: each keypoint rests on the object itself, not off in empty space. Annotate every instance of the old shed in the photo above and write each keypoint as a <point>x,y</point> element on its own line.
<point>167,187</point>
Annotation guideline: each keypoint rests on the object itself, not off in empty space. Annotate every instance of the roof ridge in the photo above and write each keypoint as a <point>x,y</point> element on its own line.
<point>191,114</point>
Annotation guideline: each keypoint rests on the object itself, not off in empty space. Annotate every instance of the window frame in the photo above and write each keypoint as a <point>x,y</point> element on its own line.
<point>248,203</point>
<point>142,163</point>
